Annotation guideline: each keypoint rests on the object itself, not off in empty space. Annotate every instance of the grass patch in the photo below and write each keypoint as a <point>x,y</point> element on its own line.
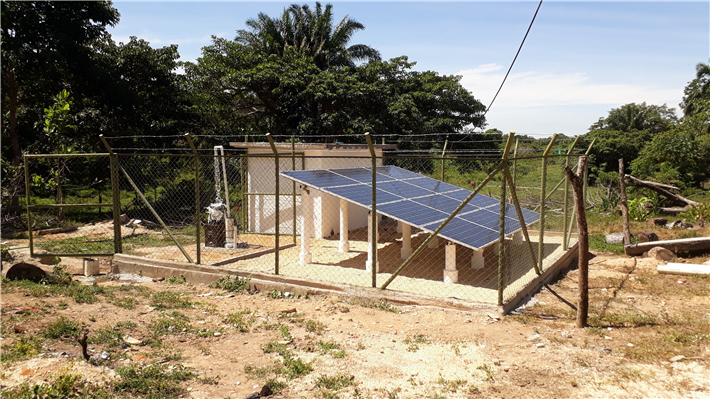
<point>336,382</point>
<point>62,328</point>
<point>414,341</point>
<point>24,348</point>
<point>63,386</point>
<point>124,302</point>
<point>315,327</point>
<point>170,324</point>
<point>290,367</point>
<point>170,300</point>
<point>275,385</point>
<point>176,280</point>
<point>239,321</point>
<point>597,242</point>
<point>451,385</point>
<point>331,348</point>
<point>153,380</point>
<point>487,371</point>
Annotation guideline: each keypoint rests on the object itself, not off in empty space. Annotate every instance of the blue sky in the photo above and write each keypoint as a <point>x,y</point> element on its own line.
<point>580,59</point>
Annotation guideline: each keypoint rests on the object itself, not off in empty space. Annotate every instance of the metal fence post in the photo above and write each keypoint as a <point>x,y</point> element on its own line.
<point>501,223</point>
<point>293,189</point>
<point>277,222</point>
<point>543,184</point>
<point>198,216</point>
<point>374,209</point>
<point>443,152</point>
<point>116,198</point>
<point>515,161</point>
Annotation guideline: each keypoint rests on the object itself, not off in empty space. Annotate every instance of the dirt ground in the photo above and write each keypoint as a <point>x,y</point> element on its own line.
<point>640,320</point>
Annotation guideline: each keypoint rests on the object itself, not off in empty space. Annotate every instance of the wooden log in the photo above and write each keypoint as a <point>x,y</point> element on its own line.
<point>577,182</point>
<point>684,244</point>
<point>673,211</point>
<point>55,230</point>
<point>661,189</point>
<point>684,268</point>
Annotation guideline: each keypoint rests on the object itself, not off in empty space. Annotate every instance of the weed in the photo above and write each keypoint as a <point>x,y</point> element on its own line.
<point>125,302</point>
<point>313,326</point>
<point>275,385</point>
<point>285,332</point>
<point>63,386</point>
<point>62,328</point>
<point>153,380</point>
<point>25,348</point>
<point>487,370</point>
<point>271,347</point>
<point>238,320</point>
<point>371,303</point>
<point>335,383</point>
<point>170,300</point>
<point>414,341</point>
<point>451,385</point>
<point>290,367</point>
<point>236,284</point>
<point>107,335</point>
<point>170,323</point>
<point>176,279</point>
<point>62,305</point>
<point>126,324</point>
<point>582,363</point>
<point>456,347</point>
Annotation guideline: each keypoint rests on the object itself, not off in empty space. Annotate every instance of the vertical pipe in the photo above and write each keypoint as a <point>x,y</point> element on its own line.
<point>501,224</point>
<point>566,206</point>
<point>374,209</point>
<point>278,205</point>
<point>293,188</point>
<point>515,162</point>
<point>543,185</point>
<point>198,216</point>
<point>28,202</point>
<point>116,199</point>
<point>443,152</point>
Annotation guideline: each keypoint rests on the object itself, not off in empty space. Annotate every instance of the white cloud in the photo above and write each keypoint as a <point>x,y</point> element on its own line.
<point>538,89</point>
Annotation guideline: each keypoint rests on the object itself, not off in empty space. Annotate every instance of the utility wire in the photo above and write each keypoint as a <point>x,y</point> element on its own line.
<point>516,57</point>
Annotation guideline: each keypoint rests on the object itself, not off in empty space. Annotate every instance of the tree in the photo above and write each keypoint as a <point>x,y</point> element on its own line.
<point>308,33</point>
<point>697,91</point>
<point>624,133</point>
<point>45,44</point>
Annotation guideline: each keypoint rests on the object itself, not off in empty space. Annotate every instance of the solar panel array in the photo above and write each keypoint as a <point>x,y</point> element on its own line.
<point>419,201</point>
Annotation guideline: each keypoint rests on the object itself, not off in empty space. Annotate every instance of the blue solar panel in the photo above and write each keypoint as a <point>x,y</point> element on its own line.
<point>419,201</point>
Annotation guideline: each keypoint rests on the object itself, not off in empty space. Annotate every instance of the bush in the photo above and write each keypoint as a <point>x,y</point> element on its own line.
<point>236,284</point>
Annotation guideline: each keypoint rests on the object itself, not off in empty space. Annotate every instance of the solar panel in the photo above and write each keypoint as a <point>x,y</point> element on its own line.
<point>419,201</point>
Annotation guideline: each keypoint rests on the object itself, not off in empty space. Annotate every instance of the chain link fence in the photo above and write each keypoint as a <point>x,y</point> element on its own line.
<point>236,208</point>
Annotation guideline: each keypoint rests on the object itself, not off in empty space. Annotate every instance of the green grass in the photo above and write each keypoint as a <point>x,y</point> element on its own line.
<point>414,341</point>
<point>239,321</point>
<point>152,381</point>
<point>24,348</point>
<point>597,242</point>
<point>236,284</point>
<point>331,348</point>
<point>62,328</point>
<point>375,304</point>
<point>170,300</point>
<point>335,382</point>
<point>315,327</point>
<point>171,323</point>
<point>63,386</point>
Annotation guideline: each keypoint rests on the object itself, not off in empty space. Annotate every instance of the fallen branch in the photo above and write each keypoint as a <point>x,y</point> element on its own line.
<point>663,190</point>
<point>56,230</point>
<point>684,244</point>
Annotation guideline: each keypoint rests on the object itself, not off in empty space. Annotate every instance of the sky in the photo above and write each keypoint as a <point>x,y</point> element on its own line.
<point>580,60</point>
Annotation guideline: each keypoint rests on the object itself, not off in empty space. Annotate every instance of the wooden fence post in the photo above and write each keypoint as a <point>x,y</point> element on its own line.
<point>624,203</point>
<point>577,182</point>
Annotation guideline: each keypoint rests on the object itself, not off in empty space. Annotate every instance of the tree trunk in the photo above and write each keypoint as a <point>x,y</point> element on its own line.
<point>14,140</point>
<point>577,182</point>
<point>624,203</point>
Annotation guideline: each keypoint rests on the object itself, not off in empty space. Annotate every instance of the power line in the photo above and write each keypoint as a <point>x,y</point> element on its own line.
<point>516,57</point>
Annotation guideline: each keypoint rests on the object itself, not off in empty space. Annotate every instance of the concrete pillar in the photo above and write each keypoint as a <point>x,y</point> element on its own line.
<point>370,227</point>
<point>477,260</point>
<point>451,275</point>
<point>399,226</point>
<point>433,243</point>
<point>306,226</point>
<point>406,250</point>
<point>344,245</point>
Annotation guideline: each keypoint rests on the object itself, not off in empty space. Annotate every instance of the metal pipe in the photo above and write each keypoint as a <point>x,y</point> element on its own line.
<point>515,161</point>
<point>278,200</point>
<point>443,152</point>
<point>519,211</point>
<point>442,225</point>
<point>198,211</point>
<point>293,190</point>
<point>501,223</point>
<point>543,183</point>
<point>374,209</point>
<point>160,220</point>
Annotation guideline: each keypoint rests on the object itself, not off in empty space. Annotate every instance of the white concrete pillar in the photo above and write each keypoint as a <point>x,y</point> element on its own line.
<point>370,227</point>
<point>451,275</point>
<point>406,250</point>
<point>477,260</point>
<point>344,245</point>
<point>306,226</point>
<point>399,226</point>
<point>433,243</point>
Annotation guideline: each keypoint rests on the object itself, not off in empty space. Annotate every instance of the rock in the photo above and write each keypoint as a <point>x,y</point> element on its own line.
<point>291,310</point>
<point>615,238</point>
<point>123,219</point>
<point>20,329</point>
<point>600,349</point>
<point>661,254</point>
<point>540,345</point>
<point>679,224</point>
<point>132,341</point>
<point>566,334</point>
<point>217,334</point>
<point>647,236</point>
<point>657,222</point>
<point>678,358</point>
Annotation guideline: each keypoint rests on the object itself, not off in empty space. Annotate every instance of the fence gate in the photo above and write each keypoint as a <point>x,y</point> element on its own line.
<point>73,204</point>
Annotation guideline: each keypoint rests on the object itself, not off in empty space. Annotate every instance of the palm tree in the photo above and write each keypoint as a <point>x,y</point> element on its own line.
<point>308,32</point>
<point>698,89</point>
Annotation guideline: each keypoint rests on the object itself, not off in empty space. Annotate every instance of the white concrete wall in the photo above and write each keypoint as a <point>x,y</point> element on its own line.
<point>326,210</point>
